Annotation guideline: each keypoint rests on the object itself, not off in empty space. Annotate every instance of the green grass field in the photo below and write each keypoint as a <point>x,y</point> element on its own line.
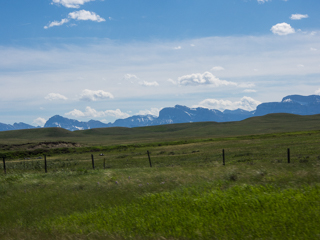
<point>187,194</point>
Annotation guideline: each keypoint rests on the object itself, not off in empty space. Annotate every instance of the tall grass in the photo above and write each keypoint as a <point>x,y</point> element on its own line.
<point>241,212</point>
<point>187,194</point>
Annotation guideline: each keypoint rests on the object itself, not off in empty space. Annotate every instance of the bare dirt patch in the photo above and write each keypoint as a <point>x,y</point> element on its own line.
<point>40,145</point>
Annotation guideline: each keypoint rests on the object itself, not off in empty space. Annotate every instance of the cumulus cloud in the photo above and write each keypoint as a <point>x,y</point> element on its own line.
<point>298,16</point>
<point>81,15</point>
<point>149,84</point>
<point>135,80</point>
<point>172,81</point>
<point>86,15</point>
<point>55,96</point>
<point>91,95</point>
<point>152,111</point>
<point>90,112</point>
<point>263,1</point>
<point>56,23</point>
<point>71,3</point>
<point>317,91</point>
<point>282,29</point>
<point>249,91</point>
<point>177,48</point>
<point>246,85</point>
<point>39,121</point>
<point>246,103</point>
<point>203,79</point>
<point>131,78</point>
<point>217,68</point>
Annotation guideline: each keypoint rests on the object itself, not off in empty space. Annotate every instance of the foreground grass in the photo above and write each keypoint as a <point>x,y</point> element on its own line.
<point>241,212</point>
<point>264,200</point>
<point>187,194</point>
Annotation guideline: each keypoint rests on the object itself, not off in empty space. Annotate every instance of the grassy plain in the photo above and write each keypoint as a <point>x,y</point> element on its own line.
<point>187,194</point>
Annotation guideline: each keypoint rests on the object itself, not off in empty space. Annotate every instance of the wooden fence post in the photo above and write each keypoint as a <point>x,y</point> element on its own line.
<point>45,163</point>
<point>223,157</point>
<point>92,161</point>
<point>149,158</point>
<point>4,165</point>
<point>288,155</point>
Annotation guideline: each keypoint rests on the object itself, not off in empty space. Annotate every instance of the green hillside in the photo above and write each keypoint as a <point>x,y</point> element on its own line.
<point>272,123</point>
<point>188,193</point>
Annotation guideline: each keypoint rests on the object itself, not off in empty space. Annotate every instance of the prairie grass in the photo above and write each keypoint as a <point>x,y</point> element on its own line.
<point>187,194</point>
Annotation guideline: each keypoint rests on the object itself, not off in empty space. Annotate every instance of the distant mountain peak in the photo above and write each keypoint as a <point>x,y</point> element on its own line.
<point>304,100</point>
<point>294,104</point>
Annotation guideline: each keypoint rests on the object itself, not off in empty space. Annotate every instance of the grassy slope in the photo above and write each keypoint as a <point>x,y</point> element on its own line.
<point>196,197</point>
<point>271,123</point>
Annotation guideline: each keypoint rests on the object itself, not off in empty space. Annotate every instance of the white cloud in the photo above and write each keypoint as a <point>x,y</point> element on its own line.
<point>78,15</point>
<point>249,91</point>
<point>55,96</point>
<point>90,112</point>
<point>149,84</point>
<point>317,91</point>
<point>203,79</point>
<point>135,80</point>
<point>116,113</point>
<point>71,3</point>
<point>152,111</point>
<point>246,103</point>
<point>177,48</point>
<point>130,77</point>
<point>56,23</point>
<point>217,68</point>
<point>91,95</point>
<point>263,1</point>
<point>298,16</point>
<point>86,15</point>
<point>76,113</point>
<point>39,121</point>
<point>246,85</point>
<point>72,66</point>
<point>300,65</point>
<point>172,81</point>
<point>282,29</point>
<point>313,49</point>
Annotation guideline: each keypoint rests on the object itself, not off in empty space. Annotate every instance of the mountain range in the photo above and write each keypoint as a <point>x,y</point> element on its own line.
<point>294,104</point>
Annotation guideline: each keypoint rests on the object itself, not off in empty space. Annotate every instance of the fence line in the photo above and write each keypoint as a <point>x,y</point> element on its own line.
<point>37,165</point>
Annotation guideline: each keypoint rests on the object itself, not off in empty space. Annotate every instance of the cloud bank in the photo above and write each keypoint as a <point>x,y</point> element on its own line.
<point>91,95</point>
<point>135,80</point>
<point>245,103</point>
<point>152,111</point>
<point>92,113</point>
<point>39,122</point>
<point>206,78</point>
<point>55,96</point>
<point>217,68</point>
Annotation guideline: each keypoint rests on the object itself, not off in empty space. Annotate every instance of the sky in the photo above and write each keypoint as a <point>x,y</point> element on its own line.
<point>111,59</point>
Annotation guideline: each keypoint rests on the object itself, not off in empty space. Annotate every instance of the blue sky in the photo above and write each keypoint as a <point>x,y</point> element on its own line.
<point>109,59</point>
